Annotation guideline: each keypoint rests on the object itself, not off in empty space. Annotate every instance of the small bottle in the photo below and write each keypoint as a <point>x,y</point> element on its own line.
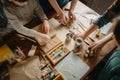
<point>78,45</point>
<point>98,33</point>
<point>69,36</point>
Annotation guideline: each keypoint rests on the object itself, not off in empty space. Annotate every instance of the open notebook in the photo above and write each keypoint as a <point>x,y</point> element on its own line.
<point>72,67</point>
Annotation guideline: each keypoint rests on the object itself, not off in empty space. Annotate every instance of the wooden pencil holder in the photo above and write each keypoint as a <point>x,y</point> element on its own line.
<point>55,50</point>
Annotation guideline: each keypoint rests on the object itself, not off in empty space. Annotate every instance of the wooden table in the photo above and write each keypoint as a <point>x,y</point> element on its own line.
<point>81,24</point>
<point>79,27</point>
<point>61,32</point>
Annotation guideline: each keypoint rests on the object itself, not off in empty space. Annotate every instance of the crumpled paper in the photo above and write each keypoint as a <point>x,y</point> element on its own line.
<point>26,70</point>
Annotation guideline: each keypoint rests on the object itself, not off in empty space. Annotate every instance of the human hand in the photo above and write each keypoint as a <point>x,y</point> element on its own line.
<point>96,45</point>
<point>72,16</point>
<point>78,35</point>
<point>45,27</point>
<point>41,38</point>
<point>63,19</point>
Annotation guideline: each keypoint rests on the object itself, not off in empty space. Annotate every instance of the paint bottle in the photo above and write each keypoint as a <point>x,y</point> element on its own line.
<point>69,37</point>
<point>78,45</point>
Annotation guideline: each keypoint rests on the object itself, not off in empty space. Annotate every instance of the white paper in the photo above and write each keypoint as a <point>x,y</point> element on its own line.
<point>72,67</point>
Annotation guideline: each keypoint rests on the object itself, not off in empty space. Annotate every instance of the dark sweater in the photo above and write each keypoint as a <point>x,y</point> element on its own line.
<point>111,70</point>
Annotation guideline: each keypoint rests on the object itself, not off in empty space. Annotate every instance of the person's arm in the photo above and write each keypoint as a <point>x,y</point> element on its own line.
<point>107,38</point>
<point>17,25</point>
<point>56,6</point>
<point>39,11</point>
<point>73,4</point>
<point>98,23</point>
<point>71,14</point>
<point>63,18</point>
<point>92,28</point>
<point>100,42</point>
<point>105,18</point>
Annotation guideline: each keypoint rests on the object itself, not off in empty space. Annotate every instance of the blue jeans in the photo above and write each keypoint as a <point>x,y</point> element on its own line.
<point>46,6</point>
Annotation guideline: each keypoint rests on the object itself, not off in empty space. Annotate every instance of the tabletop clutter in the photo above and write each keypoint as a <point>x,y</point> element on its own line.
<point>53,52</point>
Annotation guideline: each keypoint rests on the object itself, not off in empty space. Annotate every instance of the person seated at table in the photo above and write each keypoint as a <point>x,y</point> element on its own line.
<point>20,12</point>
<point>51,5</point>
<point>106,17</point>
<point>111,70</point>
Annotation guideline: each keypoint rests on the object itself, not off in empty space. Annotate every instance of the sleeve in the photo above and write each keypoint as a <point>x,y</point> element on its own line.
<point>111,67</point>
<point>17,25</point>
<point>39,11</point>
<point>105,73</point>
<point>111,12</point>
<point>102,20</point>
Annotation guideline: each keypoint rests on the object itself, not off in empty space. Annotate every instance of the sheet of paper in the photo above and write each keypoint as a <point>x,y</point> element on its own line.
<point>72,67</point>
<point>105,29</point>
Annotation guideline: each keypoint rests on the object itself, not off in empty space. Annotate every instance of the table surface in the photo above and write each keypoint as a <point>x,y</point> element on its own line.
<point>84,16</point>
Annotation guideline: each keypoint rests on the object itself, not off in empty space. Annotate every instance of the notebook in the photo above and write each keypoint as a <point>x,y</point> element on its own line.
<point>72,67</point>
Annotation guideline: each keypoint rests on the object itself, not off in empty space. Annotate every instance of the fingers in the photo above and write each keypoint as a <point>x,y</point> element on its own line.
<point>64,20</point>
<point>72,17</point>
<point>82,35</point>
<point>94,45</point>
<point>75,36</point>
<point>41,38</point>
<point>46,28</point>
